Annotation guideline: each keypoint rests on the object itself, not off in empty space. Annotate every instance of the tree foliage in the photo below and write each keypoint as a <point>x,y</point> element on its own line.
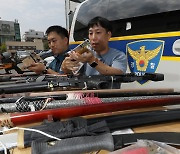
<point>46,46</point>
<point>3,48</point>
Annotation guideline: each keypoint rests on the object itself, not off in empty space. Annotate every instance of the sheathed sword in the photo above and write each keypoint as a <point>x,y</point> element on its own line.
<point>113,123</point>
<point>22,105</point>
<point>120,140</point>
<point>107,105</point>
<point>101,142</point>
<point>92,143</point>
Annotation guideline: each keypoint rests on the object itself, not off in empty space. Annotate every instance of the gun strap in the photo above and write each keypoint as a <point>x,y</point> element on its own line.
<point>172,138</point>
<point>75,145</point>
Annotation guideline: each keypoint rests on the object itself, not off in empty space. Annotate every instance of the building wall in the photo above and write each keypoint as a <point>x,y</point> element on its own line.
<point>32,34</point>
<point>9,31</point>
<point>13,46</point>
<point>17,32</point>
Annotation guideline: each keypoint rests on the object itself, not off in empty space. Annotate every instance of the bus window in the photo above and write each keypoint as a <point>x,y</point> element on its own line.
<point>148,16</point>
<point>156,23</point>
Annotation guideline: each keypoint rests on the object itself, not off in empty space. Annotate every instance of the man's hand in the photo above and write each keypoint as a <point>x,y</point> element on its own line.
<point>85,57</point>
<point>38,68</point>
<point>72,63</point>
<point>69,64</point>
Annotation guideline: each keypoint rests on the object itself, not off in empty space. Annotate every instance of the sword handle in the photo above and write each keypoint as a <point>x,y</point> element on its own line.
<point>75,145</point>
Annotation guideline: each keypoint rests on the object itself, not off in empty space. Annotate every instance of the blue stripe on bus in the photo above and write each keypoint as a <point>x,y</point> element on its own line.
<point>121,44</point>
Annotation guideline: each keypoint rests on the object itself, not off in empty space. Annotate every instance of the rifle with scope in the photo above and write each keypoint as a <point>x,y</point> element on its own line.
<point>70,82</point>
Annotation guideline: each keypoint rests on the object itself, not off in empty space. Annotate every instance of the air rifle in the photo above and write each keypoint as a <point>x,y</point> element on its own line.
<point>69,82</point>
<point>62,95</point>
<point>10,60</point>
<point>7,62</point>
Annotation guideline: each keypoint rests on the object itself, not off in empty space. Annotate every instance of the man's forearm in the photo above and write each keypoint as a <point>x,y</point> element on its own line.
<point>50,71</point>
<point>105,69</point>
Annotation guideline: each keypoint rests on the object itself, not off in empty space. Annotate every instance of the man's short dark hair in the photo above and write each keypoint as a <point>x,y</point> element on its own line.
<point>59,30</point>
<point>103,22</point>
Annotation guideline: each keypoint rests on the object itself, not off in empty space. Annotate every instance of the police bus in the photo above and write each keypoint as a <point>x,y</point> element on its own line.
<point>147,31</point>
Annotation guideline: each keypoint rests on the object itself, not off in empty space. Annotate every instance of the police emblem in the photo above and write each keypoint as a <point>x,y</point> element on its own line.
<point>144,56</point>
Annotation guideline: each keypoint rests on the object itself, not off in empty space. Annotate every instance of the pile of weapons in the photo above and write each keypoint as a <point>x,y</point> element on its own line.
<point>32,82</point>
<point>81,122</point>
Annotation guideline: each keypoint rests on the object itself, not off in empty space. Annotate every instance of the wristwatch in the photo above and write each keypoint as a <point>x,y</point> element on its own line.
<point>45,71</point>
<point>94,63</point>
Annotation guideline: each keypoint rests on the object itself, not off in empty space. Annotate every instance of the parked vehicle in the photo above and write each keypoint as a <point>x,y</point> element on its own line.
<point>150,28</point>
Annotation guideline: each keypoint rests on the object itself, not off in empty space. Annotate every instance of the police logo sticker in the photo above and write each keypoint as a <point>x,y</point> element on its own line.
<point>144,56</point>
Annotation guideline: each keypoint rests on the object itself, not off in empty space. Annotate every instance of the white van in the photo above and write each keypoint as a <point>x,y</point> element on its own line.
<point>149,27</point>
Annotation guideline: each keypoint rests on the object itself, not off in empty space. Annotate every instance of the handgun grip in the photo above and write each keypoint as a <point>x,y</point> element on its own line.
<point>75,145</point>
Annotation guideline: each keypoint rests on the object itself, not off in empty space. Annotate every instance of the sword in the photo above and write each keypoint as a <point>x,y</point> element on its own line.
<point>13,119</point>
<point>41,103</point>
